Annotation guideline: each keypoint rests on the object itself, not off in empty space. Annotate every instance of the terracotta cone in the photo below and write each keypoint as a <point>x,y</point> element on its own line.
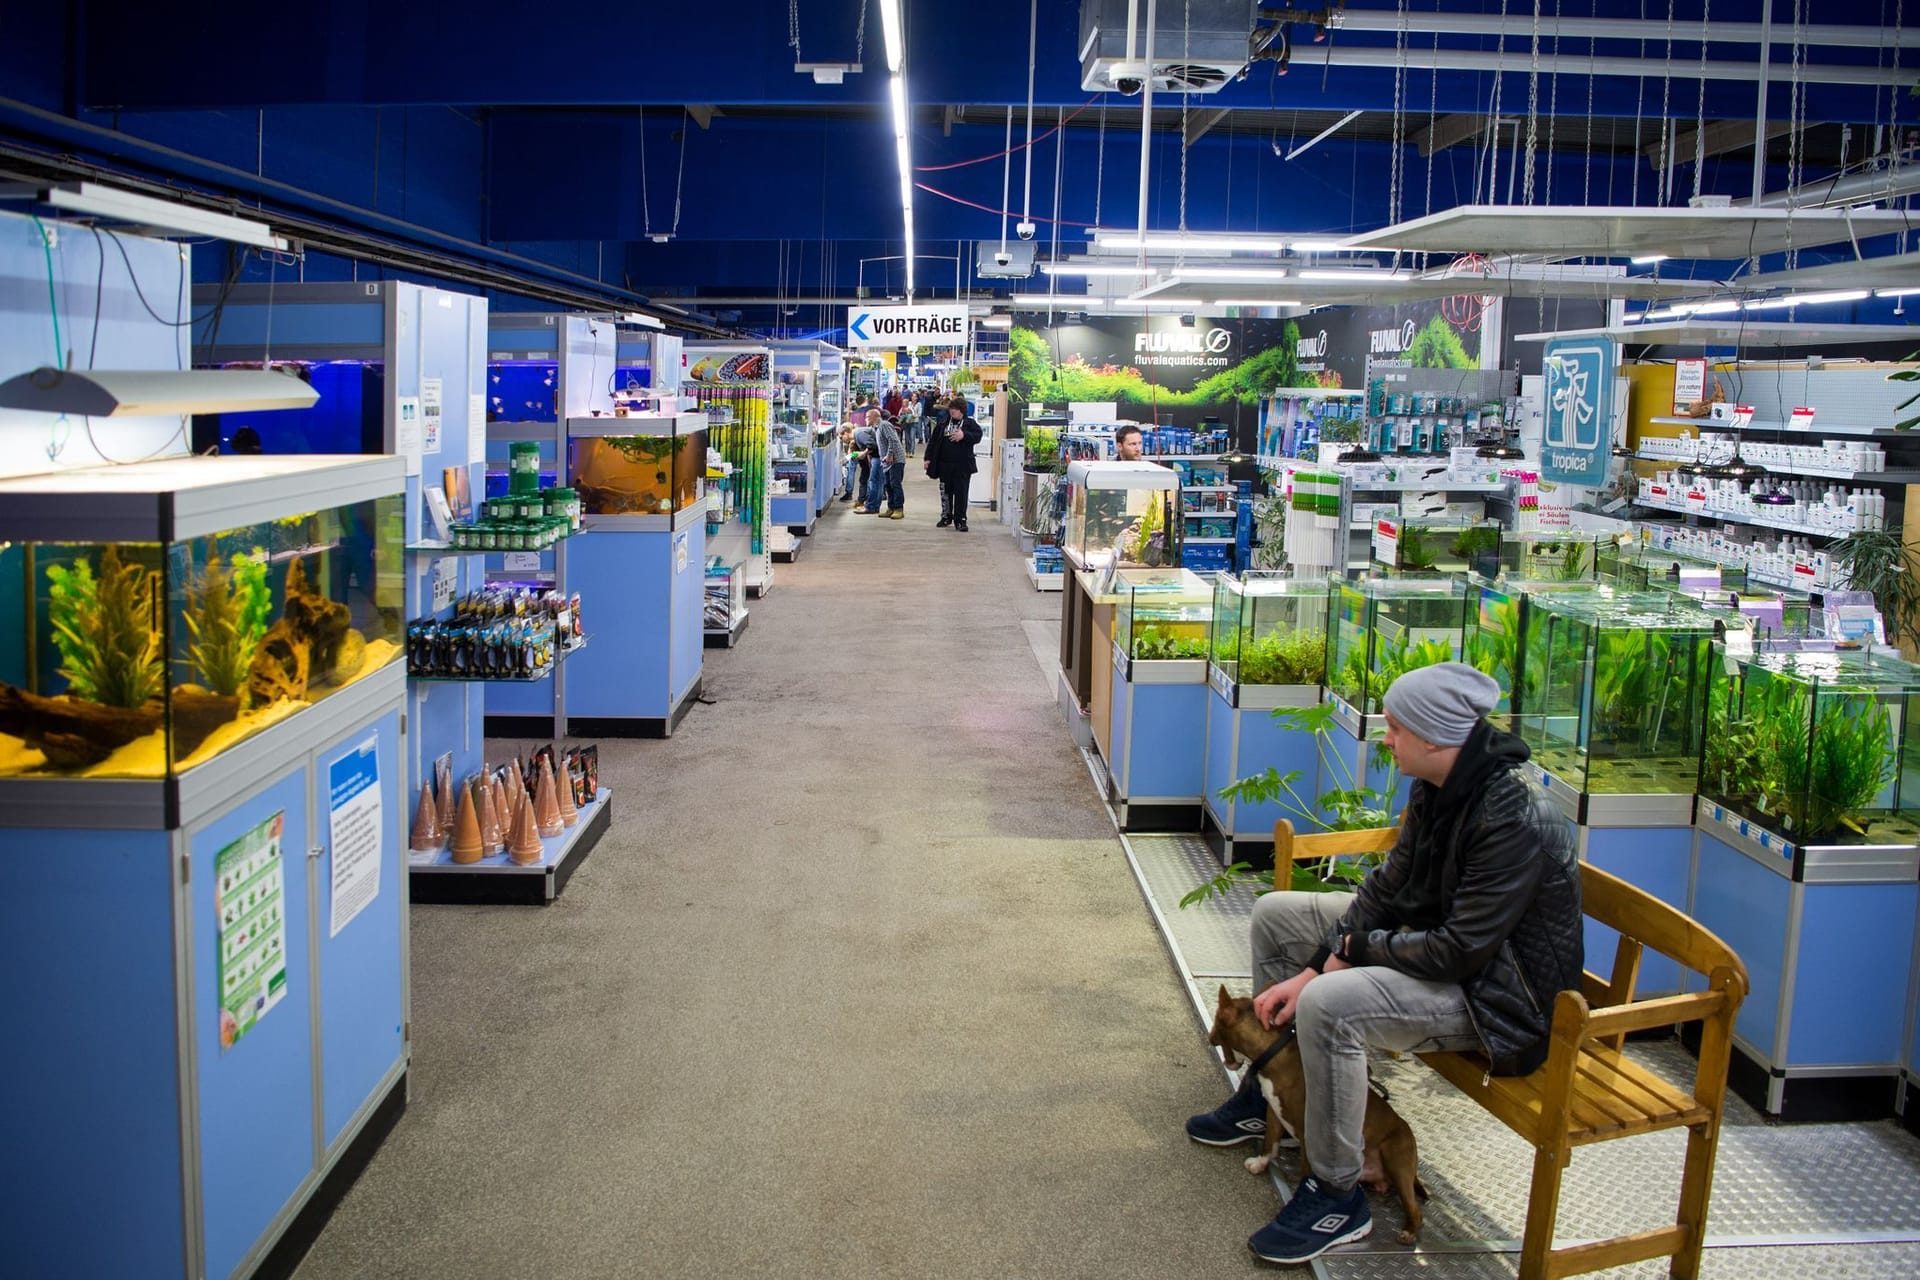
<point>491,833</point>
<point>502,808</point>
<point>547,804</point>
<point>569,813</point>
<point>427,836</point>
<point>525,848</point>
<point>449,803</point>
<point>467,846</point>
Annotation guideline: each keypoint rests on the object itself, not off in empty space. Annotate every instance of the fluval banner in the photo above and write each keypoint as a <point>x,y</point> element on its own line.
<point>929,326</point>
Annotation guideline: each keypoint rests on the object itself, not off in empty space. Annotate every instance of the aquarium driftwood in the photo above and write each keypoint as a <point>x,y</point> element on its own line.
<point>73,734</point>
<point>304,642</point>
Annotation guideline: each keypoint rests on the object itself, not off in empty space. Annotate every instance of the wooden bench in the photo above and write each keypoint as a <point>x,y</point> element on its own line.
<point>1589,1090</point>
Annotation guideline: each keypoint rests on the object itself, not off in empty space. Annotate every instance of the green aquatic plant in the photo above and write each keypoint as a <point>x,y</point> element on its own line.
<point>1495,647</point>
<point>1475,541</point>
<point>1350,805</point>
<point>104,628</point>
<point>1285,657</point>
<point>1413,553</point>
<point>1153,644</point>
<point>1042,446</point>
<point>1362,687</point>
<point>1573,562</point>
<point>226,618</point>
<point>1813,779</point>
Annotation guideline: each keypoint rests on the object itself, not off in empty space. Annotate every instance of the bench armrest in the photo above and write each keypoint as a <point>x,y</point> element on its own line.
<point>1665,1011</point>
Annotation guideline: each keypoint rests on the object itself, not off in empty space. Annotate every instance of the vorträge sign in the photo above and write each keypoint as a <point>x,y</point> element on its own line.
<point>929,326</point>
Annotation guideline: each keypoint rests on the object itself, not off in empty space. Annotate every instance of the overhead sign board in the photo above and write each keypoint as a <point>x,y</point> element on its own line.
<point>924,326</point>
<point>1576,447</point>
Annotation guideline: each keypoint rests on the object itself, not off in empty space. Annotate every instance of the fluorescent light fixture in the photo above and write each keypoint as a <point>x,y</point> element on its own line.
<point>1648,259</point>
<point>1807,299</point>
<point>100,393</point>
<point>1213,243</point>
<point>897,90</point>
<point>1256,302</point>
<point>1080,269</point>
<point>160,215</point>
<point>1208,274</point>
<point>1710,308</point>
<point>1897,293</point>
<point>1320,246</point>
<point>1058,301</point>
<point>890,28</point>
<point>1183,304</point>
<point>1661,313</point>
<point>997,322</point>
<point>1356,275</point>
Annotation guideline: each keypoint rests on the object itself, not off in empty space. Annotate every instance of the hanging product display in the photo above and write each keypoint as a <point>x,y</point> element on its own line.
<point>501,633</point>
<point>738,415</point>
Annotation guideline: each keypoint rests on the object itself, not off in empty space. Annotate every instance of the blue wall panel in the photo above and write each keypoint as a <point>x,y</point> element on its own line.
<point>1746,905</point>
<point>1266,742</point>
<point>644,619</point>
<point>1658,860</point>
<point>1169,740</point>
<point>92,1117</point>
<point>1850,979</point>
<point>689,616</point>
<point>1118,715</point>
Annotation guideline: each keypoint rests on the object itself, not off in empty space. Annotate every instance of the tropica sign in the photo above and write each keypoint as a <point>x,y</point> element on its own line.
<point>1390,342</point>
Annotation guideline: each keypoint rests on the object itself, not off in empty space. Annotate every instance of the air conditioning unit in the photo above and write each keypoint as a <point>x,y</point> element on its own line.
<point>1198,45</point>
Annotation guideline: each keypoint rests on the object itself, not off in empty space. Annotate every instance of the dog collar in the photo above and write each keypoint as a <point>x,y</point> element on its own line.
<point>1272,1051</point>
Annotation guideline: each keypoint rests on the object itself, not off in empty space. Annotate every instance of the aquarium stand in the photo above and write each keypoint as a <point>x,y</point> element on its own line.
<point>637,726</point>
<point>1242,739</point>
<point>497,880</point>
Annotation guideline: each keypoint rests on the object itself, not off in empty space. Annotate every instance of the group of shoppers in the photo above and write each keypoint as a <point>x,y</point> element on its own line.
<point>878,442</point>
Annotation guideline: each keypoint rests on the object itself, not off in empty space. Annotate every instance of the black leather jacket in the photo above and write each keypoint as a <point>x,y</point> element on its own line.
<point>1510,905</point>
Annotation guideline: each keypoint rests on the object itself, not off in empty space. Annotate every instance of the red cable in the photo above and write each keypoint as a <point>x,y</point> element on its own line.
<point>1004,213</point>
<point>961,164</point>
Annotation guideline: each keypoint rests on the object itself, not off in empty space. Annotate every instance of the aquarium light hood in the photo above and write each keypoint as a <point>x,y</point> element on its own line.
<point>99,393</point>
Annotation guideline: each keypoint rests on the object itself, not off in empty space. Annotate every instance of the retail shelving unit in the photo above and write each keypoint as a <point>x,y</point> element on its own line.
<point>1290,421</point>
<point>810,381</point>
<point>725,611</point>
<point>733,384</point>
<point>497,879</point>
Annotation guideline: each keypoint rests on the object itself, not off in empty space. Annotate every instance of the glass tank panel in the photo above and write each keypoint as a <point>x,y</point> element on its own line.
<point>1120,512</point>
<point>1163,614</point>
<point>1550,557</point>
<point>523,390</point>
<point>1428,547</point>
<point>141,660</point>
<point>349,416</point>
<point>1644,568</point>
<point>1816,746</point>
<point>639,475</point>
<point>1379,628</point>
<point>1613,690</point>
<point>1270,627</point>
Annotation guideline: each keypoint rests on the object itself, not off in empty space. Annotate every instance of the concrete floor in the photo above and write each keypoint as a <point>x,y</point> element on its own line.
<point>858,984</point>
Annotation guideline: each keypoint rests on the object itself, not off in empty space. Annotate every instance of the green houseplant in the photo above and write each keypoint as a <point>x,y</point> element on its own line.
<point>1042,448</point>
<point>1877,560</point>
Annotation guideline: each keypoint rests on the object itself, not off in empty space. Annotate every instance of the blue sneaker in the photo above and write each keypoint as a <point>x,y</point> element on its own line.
<point>1241,1118</point>
<point>1311,1223</point>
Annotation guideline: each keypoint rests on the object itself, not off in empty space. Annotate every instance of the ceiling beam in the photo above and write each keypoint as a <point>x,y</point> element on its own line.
<point>1449,131</point>
<point>1201,121</point>
<point>1722,136</point>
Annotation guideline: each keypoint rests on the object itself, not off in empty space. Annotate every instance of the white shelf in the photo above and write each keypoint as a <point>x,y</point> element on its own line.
<point>1045,581</point>
<point>1432,486</point>
<point>1732,517</point>
<point>1217,515</point>
<point>1901,477</point>
<point>1776,428</point>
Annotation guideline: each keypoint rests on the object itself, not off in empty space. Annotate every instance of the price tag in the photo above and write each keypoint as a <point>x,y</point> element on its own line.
<point>446,577</point>
<point>1801,419</point>
<point>522,561</point>
<point>1742,415</point>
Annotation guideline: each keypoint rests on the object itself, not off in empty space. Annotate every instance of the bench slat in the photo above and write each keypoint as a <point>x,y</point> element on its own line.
<point>1640,1088</point>
<point>1612,1097</point>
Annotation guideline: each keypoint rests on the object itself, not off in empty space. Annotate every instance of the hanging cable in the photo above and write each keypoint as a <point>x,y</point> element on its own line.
<point>680,179</point>
<point>1700,112</point>
<point>1099,160</point>
<point>996,155</point>
<point>859,38</point>
<point>1059,162</point>
<point>646,212</point>
<point>1797,123</point>
<point>1665,177</point>
<point>1533,109</point>
<point>1553,102</point>
<point>1186,55</point>
<point>1396,166</point>
<point>987,208</point>
<point>793,28</point>
<point>1433,117</point>
<point>1639,107</point>
<point>1006,182</point>
<point>1033,52</point>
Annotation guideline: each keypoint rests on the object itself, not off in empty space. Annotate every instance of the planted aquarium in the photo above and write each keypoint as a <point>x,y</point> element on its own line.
<point>1550,557</point>
<point>1643,568</point>
<point>630,475</point>
<point>1379,628</point>
<point>1122,513</point>
<point>1815,746</point>
<point>1164,615</point>
<point>1270,627</point>
<point>1614,690</point>
<point>144,658</point>
<point>1416,546</point>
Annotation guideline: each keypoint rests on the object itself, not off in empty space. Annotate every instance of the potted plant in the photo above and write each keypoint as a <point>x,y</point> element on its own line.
<point>1876,560</point>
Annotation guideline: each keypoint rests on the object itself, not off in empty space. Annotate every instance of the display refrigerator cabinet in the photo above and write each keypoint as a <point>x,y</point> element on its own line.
<point>1121,513</point>
<point>1268,653</point>
<point>1157,733</point>
<point>1808,848</point>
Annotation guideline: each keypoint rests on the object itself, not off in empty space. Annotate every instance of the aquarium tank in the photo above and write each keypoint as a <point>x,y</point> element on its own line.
<point>1550,557</point>
<point>1121,512</point>
<point>349,416</point>
<point>1642,568</point>
<point>1418,546</point>
<point>1614,690</point>
<point>143,660</point>
<point>1815,746</point>
<point>1270,627</point>
<point>638,474</point>
<point>1380,628</point>
<point>1163,616</point>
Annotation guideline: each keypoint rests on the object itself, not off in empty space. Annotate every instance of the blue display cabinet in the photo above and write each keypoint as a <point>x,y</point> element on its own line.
<point>642,484</point>
<point>1267,653</point>
<point>1159,702</point>
<point>402,371</point>
<point>1808,846</point>
<point>203,817</point>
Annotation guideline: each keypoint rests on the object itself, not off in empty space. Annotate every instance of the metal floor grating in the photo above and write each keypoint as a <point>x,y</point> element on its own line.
<point>1803,1200</point>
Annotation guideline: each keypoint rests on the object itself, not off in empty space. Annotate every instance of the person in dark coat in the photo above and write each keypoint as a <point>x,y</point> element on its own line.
<point>950,461</point>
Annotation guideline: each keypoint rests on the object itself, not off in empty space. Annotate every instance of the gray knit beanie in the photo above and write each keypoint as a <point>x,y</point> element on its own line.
<point>1441,704</point>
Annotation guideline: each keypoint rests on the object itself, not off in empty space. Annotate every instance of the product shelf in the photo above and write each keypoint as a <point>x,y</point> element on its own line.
<point>1731,517</point>
<point>436,878</point>
<point>1045,581</point>
<point>1780,428</point>
<point>558,658</point>
<point>1902,477</point>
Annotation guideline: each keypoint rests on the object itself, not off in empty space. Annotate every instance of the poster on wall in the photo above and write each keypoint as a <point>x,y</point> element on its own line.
<point>1576,439</point>
<point>249,901</point>
<point>1154,368</point>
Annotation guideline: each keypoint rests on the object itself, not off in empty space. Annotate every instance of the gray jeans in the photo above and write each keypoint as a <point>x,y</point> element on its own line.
<point>1340,1016</point>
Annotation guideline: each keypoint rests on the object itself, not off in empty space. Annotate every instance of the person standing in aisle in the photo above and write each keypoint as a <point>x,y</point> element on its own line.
<point>889,470</point>
<point>860,458</point>
<point>950,460</point>
<point>1126,443</point>
<point>892,405</point>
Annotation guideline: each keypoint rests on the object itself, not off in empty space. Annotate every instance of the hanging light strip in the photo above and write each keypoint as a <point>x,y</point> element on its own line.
<point>903,150</point>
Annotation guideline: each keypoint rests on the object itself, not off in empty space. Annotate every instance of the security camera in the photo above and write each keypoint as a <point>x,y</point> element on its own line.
<point>1026,230</point>
<point>1002,258</point>
<point>1129,85</point>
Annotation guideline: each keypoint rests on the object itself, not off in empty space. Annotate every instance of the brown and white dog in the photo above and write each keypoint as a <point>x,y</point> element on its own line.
<point>1390,1156</point>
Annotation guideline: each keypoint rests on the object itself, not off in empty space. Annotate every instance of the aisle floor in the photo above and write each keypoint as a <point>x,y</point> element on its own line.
<point>859,984</point>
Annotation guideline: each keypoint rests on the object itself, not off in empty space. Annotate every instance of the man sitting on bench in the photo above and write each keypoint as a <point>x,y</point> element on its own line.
<point>1459,940</point>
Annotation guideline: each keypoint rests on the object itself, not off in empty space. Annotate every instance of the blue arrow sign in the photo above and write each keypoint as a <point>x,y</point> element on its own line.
<point>858,332</point>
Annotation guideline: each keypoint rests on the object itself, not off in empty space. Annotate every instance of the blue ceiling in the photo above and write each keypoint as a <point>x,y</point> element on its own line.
<point>476,123</point>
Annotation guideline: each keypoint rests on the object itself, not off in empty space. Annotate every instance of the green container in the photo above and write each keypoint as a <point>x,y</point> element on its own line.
<point>564,503</point>
<point>524,468</point>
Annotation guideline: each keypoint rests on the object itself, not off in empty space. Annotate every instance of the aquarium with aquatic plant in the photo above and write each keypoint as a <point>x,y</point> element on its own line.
<point>1380,628</point>
<point>1163,616</point>
<point>1550,557</point>
<point>1270,628</point>
<point>633,475</point>
<point>143,659</point>
<point>1638,567</point>
<point>1418,546</point>
<point>1815,746</point>
<point>1614,689</point>
<point>1121,512</point>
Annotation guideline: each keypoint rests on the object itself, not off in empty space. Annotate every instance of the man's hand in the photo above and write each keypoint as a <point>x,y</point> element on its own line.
<point>1274,1006</point>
